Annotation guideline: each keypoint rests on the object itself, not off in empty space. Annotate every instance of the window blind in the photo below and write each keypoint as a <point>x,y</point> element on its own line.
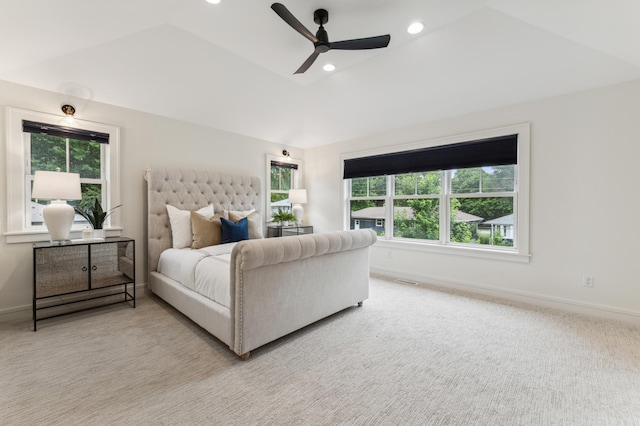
<point>284,165</point>
<point>65,132</point>
<point>499,151</point>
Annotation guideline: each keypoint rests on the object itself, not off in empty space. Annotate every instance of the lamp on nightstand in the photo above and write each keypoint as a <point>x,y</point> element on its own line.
<point>297,197</point>
<point>57,187</point>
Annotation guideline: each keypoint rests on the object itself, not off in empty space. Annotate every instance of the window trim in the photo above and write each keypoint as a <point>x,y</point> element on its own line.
<point>17,231</point>
<point>297,180</point>
<point>521,207</point>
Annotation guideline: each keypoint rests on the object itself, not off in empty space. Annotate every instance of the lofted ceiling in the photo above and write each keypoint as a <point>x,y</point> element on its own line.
<point>230,66</point>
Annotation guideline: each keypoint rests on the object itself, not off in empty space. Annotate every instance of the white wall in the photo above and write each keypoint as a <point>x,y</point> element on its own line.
<point>145,140</point>
<point>585,150</point>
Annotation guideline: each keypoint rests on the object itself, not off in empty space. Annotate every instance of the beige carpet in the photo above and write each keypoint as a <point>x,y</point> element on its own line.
<point>411,355</point>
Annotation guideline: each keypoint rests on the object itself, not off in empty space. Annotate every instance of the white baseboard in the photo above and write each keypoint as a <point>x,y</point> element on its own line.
<point>25,312</point>
<point>567,305</point>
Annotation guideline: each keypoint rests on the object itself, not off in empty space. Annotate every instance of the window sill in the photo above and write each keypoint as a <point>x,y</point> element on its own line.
<point>42,235</point>
<point>455,250</point>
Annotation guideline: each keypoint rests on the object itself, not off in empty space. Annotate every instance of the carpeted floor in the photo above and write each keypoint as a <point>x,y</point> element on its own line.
<point>409,356</point>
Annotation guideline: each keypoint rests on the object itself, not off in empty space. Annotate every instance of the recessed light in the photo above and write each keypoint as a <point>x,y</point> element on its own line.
<point>213,1</point>
<point>415,28</point>
<point>329,67</point>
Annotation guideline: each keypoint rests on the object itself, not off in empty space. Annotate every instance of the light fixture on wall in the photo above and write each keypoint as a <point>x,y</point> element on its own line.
<point>69,111</point>
<point>57,187</point>
<point>297,197</point>
<point>286,154</point>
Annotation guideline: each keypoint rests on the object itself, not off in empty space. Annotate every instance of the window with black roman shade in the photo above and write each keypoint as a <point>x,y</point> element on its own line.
<point>65,132</point>
<point>497,151</point>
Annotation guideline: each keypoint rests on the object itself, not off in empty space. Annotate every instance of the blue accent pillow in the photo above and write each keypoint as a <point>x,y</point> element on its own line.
<point>233,232</point>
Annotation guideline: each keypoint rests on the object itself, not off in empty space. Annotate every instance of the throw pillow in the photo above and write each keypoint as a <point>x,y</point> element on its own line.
<point>206,231</point>
<point>255,222</point>
<point>233,232</point>
<point>180,221</point>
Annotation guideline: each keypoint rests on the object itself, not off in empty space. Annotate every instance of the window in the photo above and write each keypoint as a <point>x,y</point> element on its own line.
<point>472,192</point>
<point>52,148</point>
<point>283,174</point>
<point>40,141</point>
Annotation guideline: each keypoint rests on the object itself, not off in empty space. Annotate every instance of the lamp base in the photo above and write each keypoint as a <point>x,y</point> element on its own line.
<point>58,217</point>
<point>298,212</point>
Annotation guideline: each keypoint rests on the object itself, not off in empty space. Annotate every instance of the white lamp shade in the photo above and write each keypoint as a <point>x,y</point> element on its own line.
<point>298,196</point>
<point>56,186</point>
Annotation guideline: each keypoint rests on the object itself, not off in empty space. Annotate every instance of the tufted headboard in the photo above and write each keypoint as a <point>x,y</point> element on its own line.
<point>190,190</point>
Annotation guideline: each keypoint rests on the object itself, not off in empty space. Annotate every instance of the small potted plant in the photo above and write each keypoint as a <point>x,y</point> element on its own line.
<point>96,217</point>
<point>283,217</point>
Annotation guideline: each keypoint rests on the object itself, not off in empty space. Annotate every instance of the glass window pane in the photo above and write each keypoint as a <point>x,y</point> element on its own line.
<point>359,187</point>
<point>285,179</point>
<point>498,179</point>
<point>377,186</point>
<point>486,220</point>
<point>465,181</point>
<point>279,201</point>
<point>417,218</point>
<point>428,183</point>
<point>367,214</point>
<point>423,183</point>
<point>405,184</point>
<point>48,153</point>
<point>84,158</point>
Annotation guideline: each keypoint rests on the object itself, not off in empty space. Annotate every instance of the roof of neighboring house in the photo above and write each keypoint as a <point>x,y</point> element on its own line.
<point>504,220</point>
<point>378,213</point>
<point>467,217</point>
<point>281,203</point>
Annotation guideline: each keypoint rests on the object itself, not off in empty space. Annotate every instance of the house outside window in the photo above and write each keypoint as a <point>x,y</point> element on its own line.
<point>39,141</point>
<point>484,207</point>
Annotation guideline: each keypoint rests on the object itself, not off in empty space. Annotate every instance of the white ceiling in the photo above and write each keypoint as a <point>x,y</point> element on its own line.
<point>230,66</point>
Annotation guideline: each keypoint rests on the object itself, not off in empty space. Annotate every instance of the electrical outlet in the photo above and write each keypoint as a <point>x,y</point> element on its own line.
<point>587,281</point>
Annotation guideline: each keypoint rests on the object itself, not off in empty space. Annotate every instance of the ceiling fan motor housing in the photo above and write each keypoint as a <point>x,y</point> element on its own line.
<point>321,16</point>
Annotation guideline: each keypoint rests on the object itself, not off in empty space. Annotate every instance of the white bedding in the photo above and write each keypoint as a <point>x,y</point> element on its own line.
<point>205,271</point>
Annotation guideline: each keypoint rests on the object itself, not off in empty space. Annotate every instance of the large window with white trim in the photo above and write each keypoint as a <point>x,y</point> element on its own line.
<point>39,141</point>
<point>469,191</point>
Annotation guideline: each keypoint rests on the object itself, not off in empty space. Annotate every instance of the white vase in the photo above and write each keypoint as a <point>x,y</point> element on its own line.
<point>99,233</point>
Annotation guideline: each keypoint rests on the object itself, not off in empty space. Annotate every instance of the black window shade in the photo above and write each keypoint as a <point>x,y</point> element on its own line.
<point>499,151</point>
<point>284,165</point>
<point>65,132</point>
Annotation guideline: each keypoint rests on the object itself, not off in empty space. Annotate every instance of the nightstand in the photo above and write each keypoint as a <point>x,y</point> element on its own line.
<point>285,231</point>
<point>82,271</point>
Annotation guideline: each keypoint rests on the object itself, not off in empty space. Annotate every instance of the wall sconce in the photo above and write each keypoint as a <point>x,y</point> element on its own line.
<point>57,187</point>
<point>68,110</point>
<point>286,153</point>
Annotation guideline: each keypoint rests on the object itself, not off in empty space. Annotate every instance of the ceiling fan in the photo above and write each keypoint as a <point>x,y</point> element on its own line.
<point>321,41</point>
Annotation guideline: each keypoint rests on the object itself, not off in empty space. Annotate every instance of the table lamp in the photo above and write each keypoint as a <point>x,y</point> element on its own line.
<point>58,215</point>
<point>297,197</point>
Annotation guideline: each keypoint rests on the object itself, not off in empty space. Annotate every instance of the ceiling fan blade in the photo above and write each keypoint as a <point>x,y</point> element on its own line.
<point>287,17</point>
<point>362,43</point>
<point>310,60</point>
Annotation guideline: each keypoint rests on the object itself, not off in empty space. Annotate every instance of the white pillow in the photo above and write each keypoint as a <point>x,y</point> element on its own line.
<point>180,221</point>
<point>254,219</point>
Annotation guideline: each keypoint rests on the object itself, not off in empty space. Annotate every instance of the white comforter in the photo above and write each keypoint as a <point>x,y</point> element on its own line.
<point>205,270</point>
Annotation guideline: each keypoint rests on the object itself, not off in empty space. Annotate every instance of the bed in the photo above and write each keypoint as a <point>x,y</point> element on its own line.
<point>254,291</point>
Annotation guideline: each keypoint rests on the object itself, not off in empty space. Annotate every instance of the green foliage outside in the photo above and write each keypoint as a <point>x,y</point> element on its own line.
<point>50,153</point>
<point>280,178</point>
<point>419,217</point>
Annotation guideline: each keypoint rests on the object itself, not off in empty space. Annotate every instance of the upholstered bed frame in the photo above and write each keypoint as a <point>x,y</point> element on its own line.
<point>278,285</point>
